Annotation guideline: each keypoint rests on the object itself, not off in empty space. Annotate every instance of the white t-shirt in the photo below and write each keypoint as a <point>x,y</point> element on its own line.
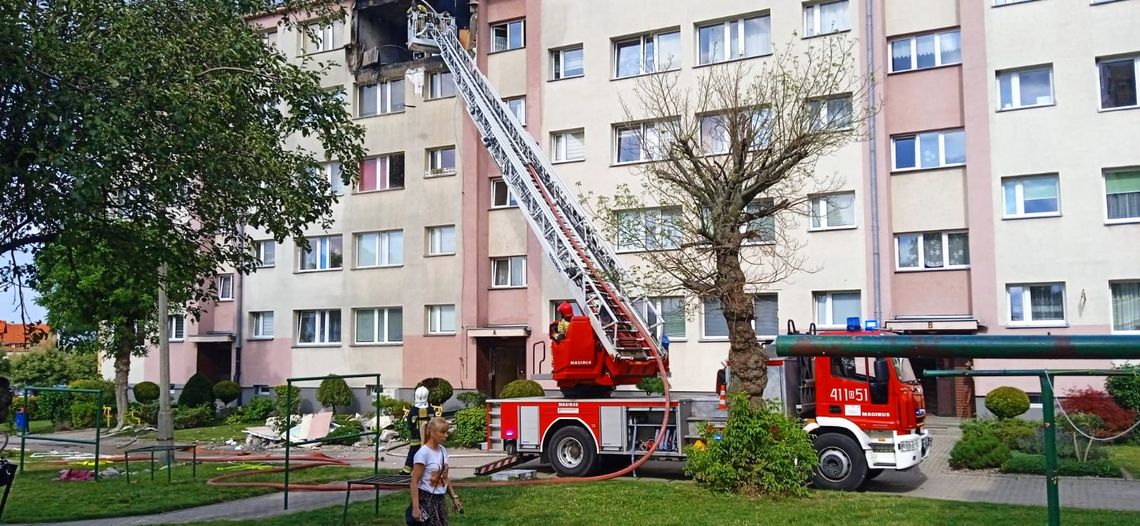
<point>434,462</point>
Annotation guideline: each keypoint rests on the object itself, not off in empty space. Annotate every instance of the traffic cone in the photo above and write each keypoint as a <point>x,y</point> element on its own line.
<point>720,394</point>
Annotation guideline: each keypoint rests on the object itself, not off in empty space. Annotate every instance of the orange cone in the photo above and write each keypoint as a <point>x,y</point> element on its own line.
<point>721,396</point>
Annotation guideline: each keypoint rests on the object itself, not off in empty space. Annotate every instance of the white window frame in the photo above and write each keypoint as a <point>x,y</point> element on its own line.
<point>1136,81</point>
<point>383,166</point>
<point>1014,76</point>
<point>918,150</point>
<point>382,248</point>
<point>999,3</point>
<point>514,280</point>
<point>646,132</point>
<point>1027,305</point>
<point>1019,196</point>
<point>322,245</point>
<point>332,173</point>
<point>257,322</point>
<point>1104,191</point>
<point>266,250</point>
<point>432,238</point>
<point>435,315</point>
<point>813,20</point>
<point>510,27</point>
<point>176,327</point>
<point>717,140</point>
<point>437,85</point>
<point>517,107</point>
<point>822,203</point>
<point>824,120</point>
<point>379,326</point>
<point>558,145</point>
<point>511,202</point>
<point>327,37</point>
<point>225,293</point>
<point>830,323</point>
<point>913,43</point>
<point>321,328</point>
<point>643,67</point>
<point>384,99</point>
<point>1112,299</point>
<point>651,231</point>
<point>658,305</point>
<point>435,162</point>
<point>558,63</point>
<point>729,27</point>
<point>945,235</point>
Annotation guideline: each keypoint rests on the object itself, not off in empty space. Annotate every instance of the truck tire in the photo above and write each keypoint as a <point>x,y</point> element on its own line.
<point>572,452</point>
<point>842,463</point>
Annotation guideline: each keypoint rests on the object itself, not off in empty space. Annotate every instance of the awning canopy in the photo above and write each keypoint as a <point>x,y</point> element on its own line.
<point>500,331</point>
<point>211,338</point>
<point>933,324</point>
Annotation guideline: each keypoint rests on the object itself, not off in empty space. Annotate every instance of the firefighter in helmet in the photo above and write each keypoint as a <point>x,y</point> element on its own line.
<point>559,327</point>
<point>418,417</point>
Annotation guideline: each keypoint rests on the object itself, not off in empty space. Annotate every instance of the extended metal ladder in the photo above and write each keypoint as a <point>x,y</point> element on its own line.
<point>579,254</point>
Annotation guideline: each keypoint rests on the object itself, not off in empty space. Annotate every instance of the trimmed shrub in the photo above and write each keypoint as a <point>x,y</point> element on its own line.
<point>197,392</point>
<point>1125,390</point>
<point>334,392</point>
<point>146,392</point>
<point>107,387</point>
<point>54,406</point>
<point>392,407</point>
<point>1035,465</point>
<point>981,451</point>
<point>473,399</point>
<point>348,426</point>
<point>148,413</point>
<point>187,417</point>
<point>439,390</point>
<point>257,409</point>
<point>83,414</point>
<point>521,389</point>
<point>651,385</point>
<point>294,393</point>
<point>1013,431</point>
<point>1116,419</point>
<point>470,427</point>
<point>226,391</point>
<point>761,452</point>
<point>1007,402</point>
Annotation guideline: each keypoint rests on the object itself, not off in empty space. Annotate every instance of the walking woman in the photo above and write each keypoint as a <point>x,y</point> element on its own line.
<point>431,483</point>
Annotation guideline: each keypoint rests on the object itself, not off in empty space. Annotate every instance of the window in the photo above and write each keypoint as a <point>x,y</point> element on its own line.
<point>320,38</point>
<point>765,321</point>
<point>1007,2</point>
<point>1125,306</point>
<point>649,229</point>
<point>501,195</point>
<point>322,253</point>
<point>508,272</point>
<point>508,35</point>
<point>269,38</point>
<point>926,51</point>
<point>668,311</point>
<point>1122,191</point>
<point>380,249</point>
<point>833,211</point>
<point>440,85</point>
<point>318,326</point>
<point>517,107</point>
<point>929,150</point>
<point>932,250</point>
<point>1025,88</point>
<point>1036,304</point>
<point>262,323</point>
<point>1118,82</point>
<point>441,319</point>
<point>441,161</point>
<point>734,39</point>
<point>225,287</point>
<point>833,308</point>
<point>384,325</point>
<point>823,18</point>
<point>176,328</point>
<point>382,173</point>
<point>715,134</point>
<point>647,54</point>
<point>380,99</point>
<point>566,63</point>
<point>830,113</point>
<point>266,251</point>
<point>568,145</point>
<point>714,324</point>
<point>441,240</point>
<point>332,173</point>
<point>1031,196</point>
<point>761,228</point>
<point>637,142</point>
<point>577,310</point>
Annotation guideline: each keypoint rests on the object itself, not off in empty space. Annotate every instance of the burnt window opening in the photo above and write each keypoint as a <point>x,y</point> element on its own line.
<point>379,36</point>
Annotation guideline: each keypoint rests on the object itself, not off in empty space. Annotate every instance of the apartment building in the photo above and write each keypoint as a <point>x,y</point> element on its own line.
<point>998,189</point>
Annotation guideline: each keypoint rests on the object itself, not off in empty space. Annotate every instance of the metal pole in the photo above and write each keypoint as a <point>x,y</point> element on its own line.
<point>165,422</point>
<point>28,426</point>
<point>98,430</point>
<point>1089,347</point>
<point>1051,486</point>
<point>288,410</point>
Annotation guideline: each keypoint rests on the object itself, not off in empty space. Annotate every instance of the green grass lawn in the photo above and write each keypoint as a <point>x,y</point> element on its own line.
<point>640,503</point>
<point>1127,457</point>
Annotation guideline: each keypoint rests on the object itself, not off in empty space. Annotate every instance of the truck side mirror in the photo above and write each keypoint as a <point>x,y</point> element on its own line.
<point>879,387</point>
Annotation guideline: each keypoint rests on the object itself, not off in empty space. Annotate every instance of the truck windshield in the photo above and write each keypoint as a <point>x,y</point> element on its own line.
<point>904,371</point>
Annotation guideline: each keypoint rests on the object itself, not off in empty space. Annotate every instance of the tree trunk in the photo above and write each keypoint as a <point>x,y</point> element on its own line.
<point>122,374</point>
<point>749,363</point>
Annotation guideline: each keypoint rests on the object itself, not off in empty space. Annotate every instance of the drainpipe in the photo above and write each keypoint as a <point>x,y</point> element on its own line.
<point>239,289</point>
<point>876,279</point>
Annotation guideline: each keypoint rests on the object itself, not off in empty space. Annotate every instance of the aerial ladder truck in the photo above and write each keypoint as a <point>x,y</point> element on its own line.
<point>866,415</point>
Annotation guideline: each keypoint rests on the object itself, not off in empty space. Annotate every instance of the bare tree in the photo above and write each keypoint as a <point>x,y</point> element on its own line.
<point>730,169</point>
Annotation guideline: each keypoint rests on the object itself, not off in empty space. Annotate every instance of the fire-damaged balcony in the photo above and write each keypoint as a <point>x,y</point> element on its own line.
<point>378,45</point>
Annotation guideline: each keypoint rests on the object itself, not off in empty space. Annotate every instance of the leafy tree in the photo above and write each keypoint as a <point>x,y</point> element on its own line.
<point>47,366</point>
<point>334,392</point>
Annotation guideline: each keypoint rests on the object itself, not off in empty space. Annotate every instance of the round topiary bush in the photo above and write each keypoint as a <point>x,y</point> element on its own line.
<point>1007,402</point>
<point>521,389</point>
<point>334,392</point>
<point>470,427</point>
<point>227,391</point>
<point>197,392</point>
<point>439,390</point>
<point>1125,389</point>
<point>146,392</point>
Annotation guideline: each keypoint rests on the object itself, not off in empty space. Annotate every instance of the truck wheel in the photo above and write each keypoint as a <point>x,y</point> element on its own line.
<point>572,452</point>
<point>842,464</point>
